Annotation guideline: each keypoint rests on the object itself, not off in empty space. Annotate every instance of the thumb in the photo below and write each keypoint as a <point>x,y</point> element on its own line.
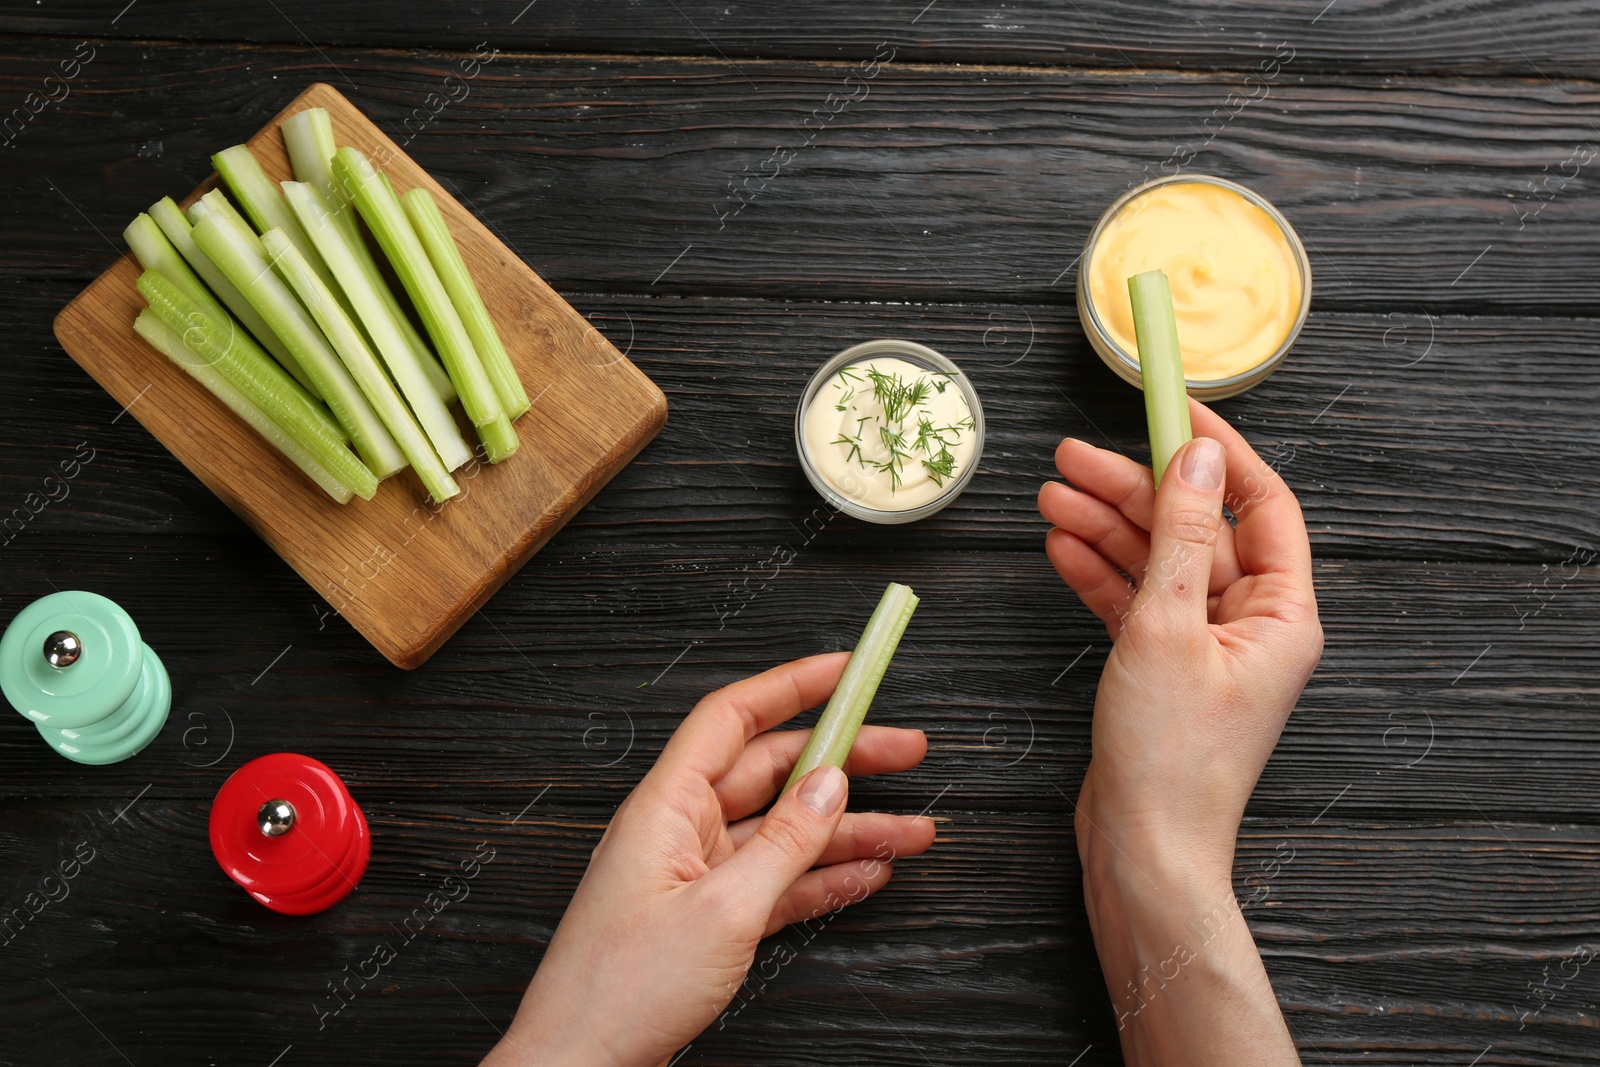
<point>1183,534</point>
<point>792,834</point>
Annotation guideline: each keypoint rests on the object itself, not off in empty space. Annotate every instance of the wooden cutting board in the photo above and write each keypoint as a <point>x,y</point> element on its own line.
<point>403,572</point>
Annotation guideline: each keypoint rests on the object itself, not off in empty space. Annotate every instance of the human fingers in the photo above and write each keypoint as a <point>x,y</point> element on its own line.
<point>816,893</point>
<point>862,834</point>
<point>1271,532</point>
<point>1109,476</point>
<point>1103,591</point>
<point>765,764</point>
<point>1183,536</point>
<point>713,736</point>
<point>786,843</point>
<point>1126,486</point>
<point>1098,525</point>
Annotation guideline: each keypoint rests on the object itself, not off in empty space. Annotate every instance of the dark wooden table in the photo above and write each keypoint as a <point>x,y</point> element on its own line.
<point>1424,845</point>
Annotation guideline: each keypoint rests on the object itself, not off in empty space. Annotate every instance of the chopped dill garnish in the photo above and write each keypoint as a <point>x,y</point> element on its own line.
<point>893,441</point>
<point>917,393</point>
<point>899,402</point>
<point>941,466</point>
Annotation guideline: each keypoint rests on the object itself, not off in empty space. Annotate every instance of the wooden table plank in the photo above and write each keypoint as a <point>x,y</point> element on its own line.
<point>1407,436</point>
<point>574,678</point>
<point>1373,934</point>
<point>616,174</point>
<point>1487,37</point>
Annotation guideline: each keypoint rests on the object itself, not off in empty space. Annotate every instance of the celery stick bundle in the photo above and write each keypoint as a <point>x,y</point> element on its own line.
<point>281,310</point>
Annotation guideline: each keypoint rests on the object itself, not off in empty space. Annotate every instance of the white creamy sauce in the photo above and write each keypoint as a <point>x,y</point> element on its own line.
<point>888,434</point>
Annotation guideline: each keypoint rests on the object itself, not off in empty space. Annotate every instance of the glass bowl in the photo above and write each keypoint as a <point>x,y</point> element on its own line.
<point>917,355</point>
<point>1126,364</point>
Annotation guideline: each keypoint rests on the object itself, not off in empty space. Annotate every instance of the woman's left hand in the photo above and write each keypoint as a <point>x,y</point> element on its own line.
<point>687,880</point>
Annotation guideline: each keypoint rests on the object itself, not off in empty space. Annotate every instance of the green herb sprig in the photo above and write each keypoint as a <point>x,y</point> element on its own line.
<point>900,400</point>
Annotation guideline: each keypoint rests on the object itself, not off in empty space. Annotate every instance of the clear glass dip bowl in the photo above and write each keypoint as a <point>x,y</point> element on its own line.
<point>1126,364</point>
<point>918,356</point>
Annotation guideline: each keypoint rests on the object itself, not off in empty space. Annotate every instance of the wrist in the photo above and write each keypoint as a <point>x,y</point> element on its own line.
<point>1143,855</point>
<point>540,1037</point>
<point>1154,925</point>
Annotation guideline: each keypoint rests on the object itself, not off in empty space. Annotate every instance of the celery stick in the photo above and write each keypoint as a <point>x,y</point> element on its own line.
<point>345,336</point>
<point>309,139</point>
<point>445,255</point>
<point>1166,401</point>
<point>176,226</point>
<point>239,255</point>
<point>217,200</point>
<point>262,381</point>
<point>381,209</point>
<point>841,720</point>
<point>308,135</point>
<point>170,344</point>
<point>499,438</point>
<point>373,314</point>
<point>155,252</point>
<point>262,201</point>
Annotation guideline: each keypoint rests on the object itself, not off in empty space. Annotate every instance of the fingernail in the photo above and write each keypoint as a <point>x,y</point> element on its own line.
<point>1203,463</point>
<point>823,790</point>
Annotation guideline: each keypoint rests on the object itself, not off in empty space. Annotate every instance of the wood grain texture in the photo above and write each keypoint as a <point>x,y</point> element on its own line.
<point>620,174</point>
<point>1435,785</point>
<point>1432,687</point>
<point>976,952</point>
<point>1406,435</point>
<point>1538,39</point>
<point>404,573</point>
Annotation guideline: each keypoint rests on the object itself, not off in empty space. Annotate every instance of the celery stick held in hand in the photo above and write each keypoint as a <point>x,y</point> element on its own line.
<point>1214,631</point>
<point>688,879</point>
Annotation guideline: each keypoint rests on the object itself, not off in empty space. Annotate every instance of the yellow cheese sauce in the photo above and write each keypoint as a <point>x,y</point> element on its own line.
<point>889,434</point>
<point>1235,279</point>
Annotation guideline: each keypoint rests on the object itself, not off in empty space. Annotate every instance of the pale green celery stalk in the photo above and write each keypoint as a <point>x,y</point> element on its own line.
<point>445,255</point>
<point>1166,400</point>
<point>381,209</point>
<point>308,135</point>
<point>239,255</point>
<point>841,720</point>
<point>155,252</point>
<point>217,200</point>
<point>262,381</point>
<point>263,202</point>
<point>180,232</point>
<point>499,438</point>
<point>375,316</point>
<point>170,344</point>
<point>345,336</point>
